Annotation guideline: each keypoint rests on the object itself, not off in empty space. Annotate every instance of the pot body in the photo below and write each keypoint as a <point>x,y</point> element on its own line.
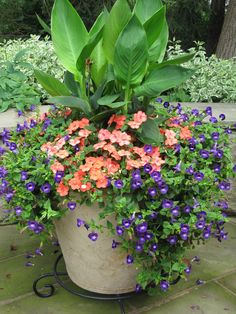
<point>93,266</point>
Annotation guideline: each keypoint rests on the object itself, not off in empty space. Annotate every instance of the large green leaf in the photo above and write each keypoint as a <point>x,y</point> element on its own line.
<point>150,133</point>
<point>154,25</point>
<point>131,54</point>
<point>69,34</point>
<point>108,99</point>
<point>163,79</point>
<point>99,64</point>
<point>144,9</point>
<point>71,102</point>
<point>158,49</point>
<point>178,60</point>
<point>52,85</point>
<point>118,18</point>
<point>70,82</point>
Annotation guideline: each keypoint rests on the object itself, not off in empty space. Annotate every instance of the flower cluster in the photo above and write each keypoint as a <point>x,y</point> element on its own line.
<point>165,195</point>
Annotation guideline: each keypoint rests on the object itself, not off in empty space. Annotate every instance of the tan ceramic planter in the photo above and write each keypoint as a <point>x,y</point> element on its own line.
<point>94,266</point>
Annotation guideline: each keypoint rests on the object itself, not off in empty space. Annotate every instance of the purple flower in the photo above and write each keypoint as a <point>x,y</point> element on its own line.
<point>187,209</point>
<point>141,240</point>
<point>35,226</point>
<point>33,123</point>
<point>159,100</point>
<point>138,288</point>
<point>58,176</point>
<point>224,186</point>
<point>2,151</point>
<point>215,136</point>
<point>46,188</point>
<point>206,234</point>
<point>119,230</point>
<point>204,154</point>
<point>153,215</point>
<point>199,176</point>
<point>184,228</point>
<point>80,222</point>
<point>190,170</point>
<point>166,104</point>
<point>208,111</point>
<point>201,215</point>
<point>138,247</point>
<point>195,112</point>
<point>152,191</point>
<point>24,175</point>
<point>142,228</point>
<point>234,168</point>
<point>217,168</point>
<point>93,236</point>
<point>9,196</point>
<point>114,244</point>
<point>196,123</point>
<point>202,138</point>
<point>188,270</point>
<point>18,210</point>
<point>218,153</point>
<point>136,184</point>
<point>184,236</point>
<point>199,282</point>
<point>228,131</point>
<point>30,186</point>
<point>172,239</point>
<point>184,117</point>
<point>147,168</point>
<point>129,259</point>
<point>175,211</point>
<point>222,116</point>
<point>29,264</point>
<point>46,124</point>
<point>148,149</point>
<point>154,247</point>
<point>3,172</point>
<point>156,176</point>
<point>167,203</point>
<point>19,113</point>
<point>39,252</point>
<point>119,184</point>
<point>213,120</point>
<point>148,236</point>
<point>177,148</point>
<point>32,107</point>
<point>71,205</point>
<point>177,168</point>
<point>200,224</point>
<point>126,223</point>
<point>136,174</point>
<point>164,188</point>
<point>164,285</point>
<point>13,146</point>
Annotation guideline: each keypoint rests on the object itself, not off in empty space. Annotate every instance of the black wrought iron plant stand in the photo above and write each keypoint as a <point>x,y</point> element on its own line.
<point>85,294</point>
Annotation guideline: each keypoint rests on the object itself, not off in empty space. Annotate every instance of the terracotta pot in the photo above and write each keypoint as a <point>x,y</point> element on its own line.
<point>94,266</point>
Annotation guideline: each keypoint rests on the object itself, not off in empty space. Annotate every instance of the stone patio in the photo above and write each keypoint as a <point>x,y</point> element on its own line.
<point>216,296</point>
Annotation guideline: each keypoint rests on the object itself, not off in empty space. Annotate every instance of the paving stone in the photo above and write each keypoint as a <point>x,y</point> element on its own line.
<point>16,279</point>
<point>12,242</point>
<point>229,282</point>
<point>207,299</point>
<point>61,303</point>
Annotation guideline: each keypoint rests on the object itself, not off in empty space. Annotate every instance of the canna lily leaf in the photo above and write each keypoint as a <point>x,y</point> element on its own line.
<point>71,102</point>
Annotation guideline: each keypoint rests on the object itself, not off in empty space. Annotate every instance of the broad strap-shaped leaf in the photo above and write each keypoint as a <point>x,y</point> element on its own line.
<point>101,116</point>
<point>160,80</point>
<point>150,133</point>
<point>108,99</point>
<point>158,49</point>
<point>144,9</point>
<point>99,64</point>
<point>44,25</point>
<point>70,82</point>
<point>154,25</point>
<point>71,102</point>
<point>95,35</point>
<point>131,54</point>
<point>117,104</point>
<point>69,34</point>
<point>175,61</point>
<point>52,85</point>
<point>118,18</point>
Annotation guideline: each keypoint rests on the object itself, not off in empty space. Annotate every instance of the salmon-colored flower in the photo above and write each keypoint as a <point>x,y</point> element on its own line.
<point>73,126</point>
<point>62,153</point>
<point>85,187</point>
<point>123,153</point>
<point>62,189</point>
<point>130,163</point>
<point>74,183</point>
<point>83,123</point>
<point>139,151</point>
<point>134,125</point>
<point>57,166</point>
<point>60,143</point>
<point>74,141</point>
<point>102,183</point>
<point>170,138</point>
<point>112,166</point>
<point>118,119</point>
<point>104,134</point>
<point>185,133</point>
<point>99,145</point>
<point>84,133</point>
<point>122,138</point>
<point>140,117</point>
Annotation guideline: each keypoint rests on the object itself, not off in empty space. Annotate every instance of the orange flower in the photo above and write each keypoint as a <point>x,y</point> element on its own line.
<point>73,126</point>
<point>74,183</point>
<point>84,133</point>
<point>140,117</point>
<point>139,151</point>
<point>79,174</point>
<point>134,125</point>
<point>104,134</point>
<point>62,153</point>
<point>74,141</point>
<point>130,164</point>
<point>57,166</point>
<point>95,174</point>
<point>60,143</point>
<point>62,189</point>
<point>171,139</point>
<point>185,133</point>
<point>122,138</point>
<point>110,148</point>
<point>101,183</point>
<point>83,122</point>
<point>123,152</point>
<point>85,187</point>
<point>112,166</point>
<point>118,119</point>
<point>68,112</point>
<point>99,145</point>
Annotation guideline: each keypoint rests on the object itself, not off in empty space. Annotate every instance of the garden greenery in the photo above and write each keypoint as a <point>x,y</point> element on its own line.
<point>159,169</point>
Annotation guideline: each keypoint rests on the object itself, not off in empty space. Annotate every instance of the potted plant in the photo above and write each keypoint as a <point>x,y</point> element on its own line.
<point>128,182</point>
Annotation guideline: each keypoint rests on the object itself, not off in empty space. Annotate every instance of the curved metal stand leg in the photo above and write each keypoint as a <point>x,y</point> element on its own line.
<point>122,308</point>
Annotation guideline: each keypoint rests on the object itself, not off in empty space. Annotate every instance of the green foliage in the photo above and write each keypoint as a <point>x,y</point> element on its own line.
<point>214,79</point>
<point>15,92</point>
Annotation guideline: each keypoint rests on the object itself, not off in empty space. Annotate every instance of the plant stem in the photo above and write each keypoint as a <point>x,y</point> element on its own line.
<point>127,95</point>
